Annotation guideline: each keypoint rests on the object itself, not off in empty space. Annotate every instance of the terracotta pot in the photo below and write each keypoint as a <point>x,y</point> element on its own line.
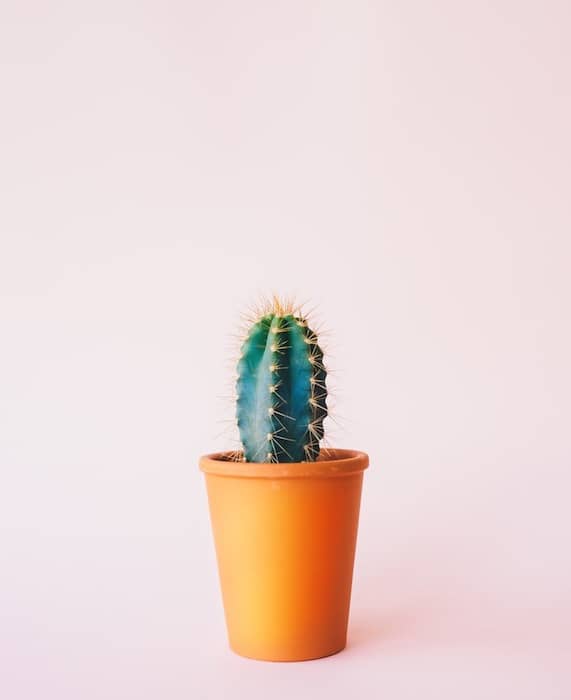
<point>285,542</point>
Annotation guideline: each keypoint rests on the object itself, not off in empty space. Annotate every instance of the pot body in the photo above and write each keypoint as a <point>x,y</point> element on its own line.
<point>285,538</point>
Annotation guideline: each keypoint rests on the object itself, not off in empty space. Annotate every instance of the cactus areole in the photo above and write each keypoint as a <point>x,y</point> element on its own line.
<point>281,391</point>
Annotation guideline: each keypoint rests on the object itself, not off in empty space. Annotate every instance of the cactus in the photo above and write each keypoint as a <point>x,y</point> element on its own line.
<point>281,391</point>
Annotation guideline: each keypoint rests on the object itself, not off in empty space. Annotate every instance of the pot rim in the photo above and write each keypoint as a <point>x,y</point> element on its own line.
<point>331,462</point>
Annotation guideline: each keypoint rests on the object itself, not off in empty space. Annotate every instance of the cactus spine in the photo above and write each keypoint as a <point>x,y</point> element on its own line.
<point>282,396</point>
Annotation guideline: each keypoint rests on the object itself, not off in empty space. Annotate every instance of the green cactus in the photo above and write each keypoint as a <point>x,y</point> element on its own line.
<point>281,390</point>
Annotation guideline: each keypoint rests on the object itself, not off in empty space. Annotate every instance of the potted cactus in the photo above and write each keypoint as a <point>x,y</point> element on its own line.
<point>284,511</point>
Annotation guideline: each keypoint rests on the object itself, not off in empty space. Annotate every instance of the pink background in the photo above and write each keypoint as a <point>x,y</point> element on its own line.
<point>403,165</point>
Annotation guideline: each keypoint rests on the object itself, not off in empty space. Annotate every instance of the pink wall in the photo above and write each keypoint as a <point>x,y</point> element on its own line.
<point>405,166</point>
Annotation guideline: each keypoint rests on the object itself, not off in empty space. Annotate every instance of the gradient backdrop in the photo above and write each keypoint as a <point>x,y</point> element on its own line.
<point>403,165</point>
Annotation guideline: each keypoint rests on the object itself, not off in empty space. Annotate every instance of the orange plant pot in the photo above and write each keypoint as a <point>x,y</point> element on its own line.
<point>285,538</point>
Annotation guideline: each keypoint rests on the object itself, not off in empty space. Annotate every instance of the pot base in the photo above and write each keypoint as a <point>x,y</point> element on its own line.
<point>287,659</point>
